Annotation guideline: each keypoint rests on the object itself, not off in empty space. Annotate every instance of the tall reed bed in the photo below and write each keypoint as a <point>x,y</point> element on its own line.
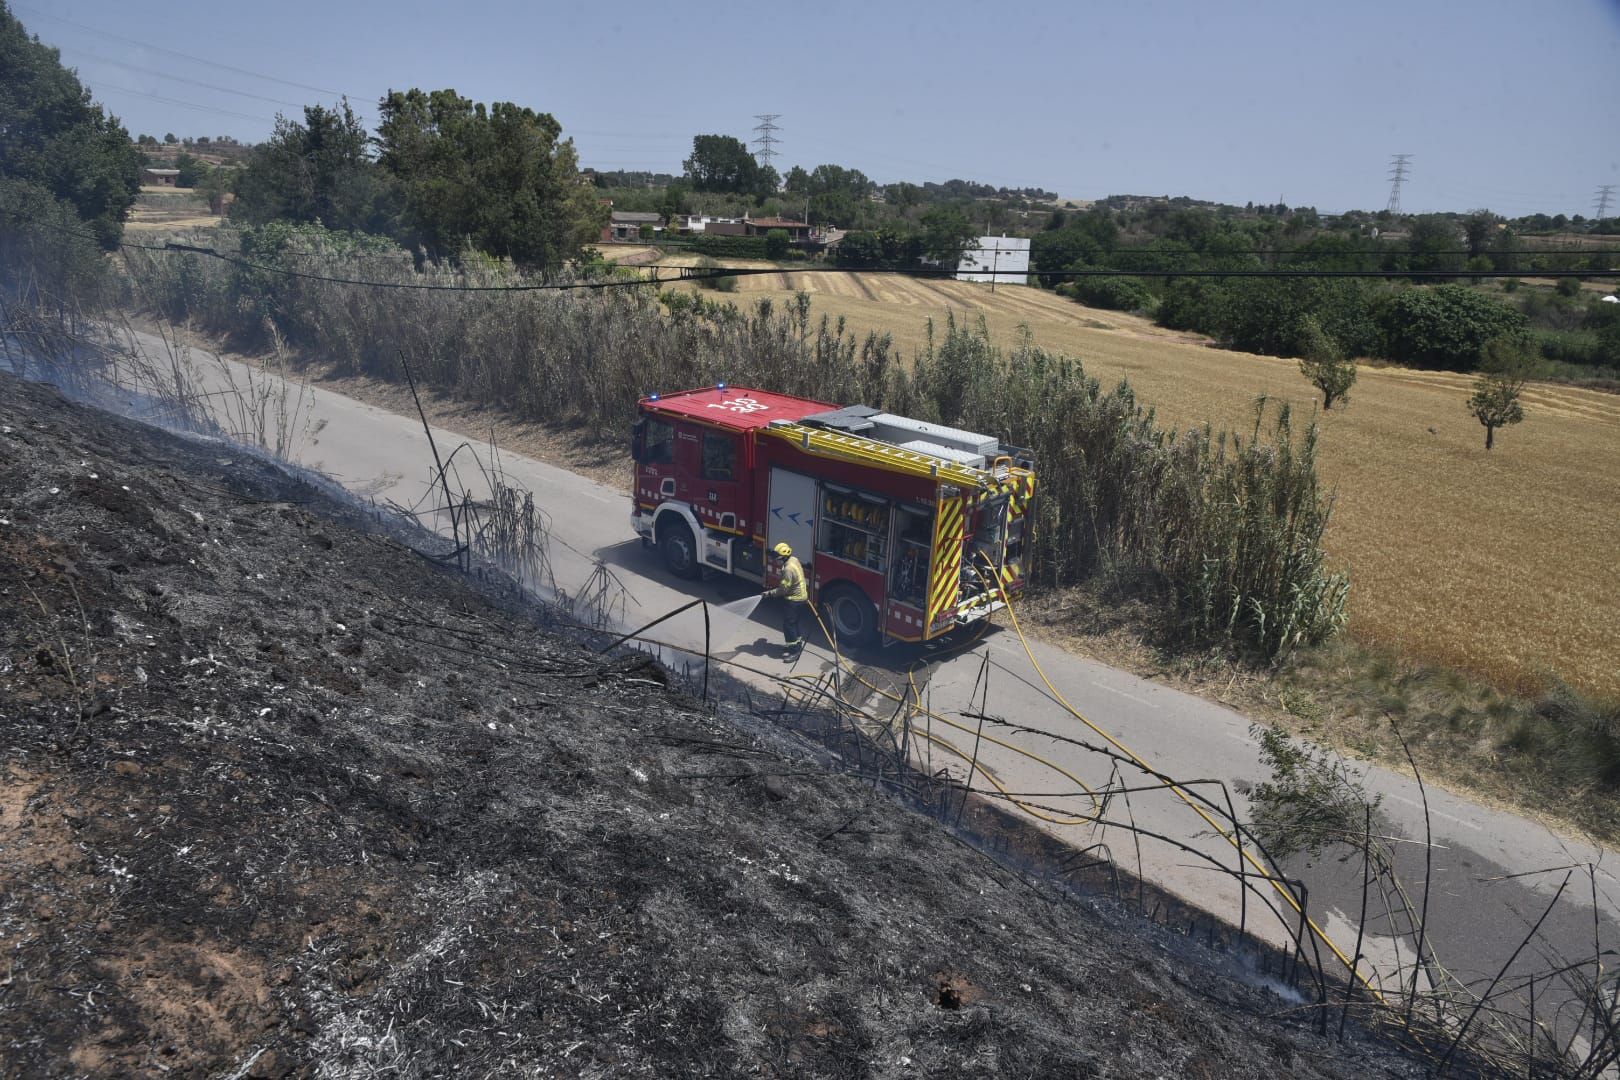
<point>1229,527</point>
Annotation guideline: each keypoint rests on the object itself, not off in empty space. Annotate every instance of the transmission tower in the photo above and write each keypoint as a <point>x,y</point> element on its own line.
<point>1604,194</point>
<point>1397,175</point>
<point>766,140</point>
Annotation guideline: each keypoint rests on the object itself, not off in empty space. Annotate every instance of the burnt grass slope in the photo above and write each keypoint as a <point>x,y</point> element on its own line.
<point>279,796</point>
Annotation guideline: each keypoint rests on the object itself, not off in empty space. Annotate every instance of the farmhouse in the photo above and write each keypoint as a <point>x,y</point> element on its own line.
<point>798,231</point>
<point>624,226</point>
<point>995,258</point>
<point>159,177</point>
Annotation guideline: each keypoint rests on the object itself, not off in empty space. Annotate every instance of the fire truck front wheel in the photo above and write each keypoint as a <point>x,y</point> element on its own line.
<point>850,615</point>
<point>675,540</point>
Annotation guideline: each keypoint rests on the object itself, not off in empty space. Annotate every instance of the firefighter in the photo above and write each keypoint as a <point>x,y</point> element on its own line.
<point>796,591</point>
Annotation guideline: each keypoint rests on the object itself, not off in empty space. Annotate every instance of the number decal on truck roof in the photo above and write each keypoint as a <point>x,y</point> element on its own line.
<point>740,405</point>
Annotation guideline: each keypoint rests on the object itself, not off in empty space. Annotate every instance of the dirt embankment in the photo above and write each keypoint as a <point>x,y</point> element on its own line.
<point>279,796</point>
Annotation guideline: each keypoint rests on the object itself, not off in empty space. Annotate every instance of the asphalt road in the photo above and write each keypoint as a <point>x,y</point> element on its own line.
<point>1493,873</point>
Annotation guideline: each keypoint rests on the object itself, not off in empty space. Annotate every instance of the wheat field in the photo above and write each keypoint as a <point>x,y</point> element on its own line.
<point>1503,563</point>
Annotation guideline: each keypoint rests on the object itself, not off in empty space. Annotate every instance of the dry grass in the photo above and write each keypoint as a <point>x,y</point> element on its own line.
<point>1501,564</point>
<point>171,208</point>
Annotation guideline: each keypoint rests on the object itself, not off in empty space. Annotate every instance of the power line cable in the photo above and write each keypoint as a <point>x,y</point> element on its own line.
<point>126,40</point>
<point>186,104</point>
<point>180,78</point>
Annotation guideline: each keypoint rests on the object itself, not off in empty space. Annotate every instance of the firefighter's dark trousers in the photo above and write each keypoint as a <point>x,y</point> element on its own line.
<point>792,637</point>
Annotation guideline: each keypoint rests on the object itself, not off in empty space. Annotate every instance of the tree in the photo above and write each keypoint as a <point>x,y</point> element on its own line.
<point>1325,364</point>
<point>766,183</point>
<point>721,163</point>
<point>776,243</point>
<point>1086,237</point>
<point>170,138</point>
<point>947,233</point>
<point>1495,401</point>
<point>1478,229</point>
<point>320,170</point>
<point>192,171</point>
<point>499,179</point>
<point>213,186</point>
<point>860,249</point>
<point>903,195</point>
<point>1432,244</point>
<point>673,203</point>
<point>54,137</point>
<point>797,181</point>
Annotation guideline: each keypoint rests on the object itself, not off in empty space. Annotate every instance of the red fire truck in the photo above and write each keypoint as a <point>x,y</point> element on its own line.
<point>906,529</point>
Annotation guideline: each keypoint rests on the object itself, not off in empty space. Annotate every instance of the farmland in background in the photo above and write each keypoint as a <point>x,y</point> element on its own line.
<point>1502,564</point>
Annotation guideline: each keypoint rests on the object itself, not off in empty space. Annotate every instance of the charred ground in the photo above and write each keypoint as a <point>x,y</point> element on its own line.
<point>280,796</point>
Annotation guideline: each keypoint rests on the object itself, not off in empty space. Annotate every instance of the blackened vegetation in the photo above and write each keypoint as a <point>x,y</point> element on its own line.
<point>277,792</point>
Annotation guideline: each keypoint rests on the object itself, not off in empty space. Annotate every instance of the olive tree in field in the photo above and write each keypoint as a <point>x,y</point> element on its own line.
<point>1495,401</point>
<point>1324,363</point>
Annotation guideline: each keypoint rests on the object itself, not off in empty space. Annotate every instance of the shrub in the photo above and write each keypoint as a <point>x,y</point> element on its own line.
<point>1190,304</point>
<point>729,247</point>
<point>1269,315</point>
<point>776,243</point>
<point>1113,293</point>
<point>1446,327</point>
<point>46,258</point>
<point>1580,347</point>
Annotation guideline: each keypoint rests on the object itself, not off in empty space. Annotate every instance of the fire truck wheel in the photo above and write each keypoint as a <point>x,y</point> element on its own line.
<point>850,615</point>
<point>680,549</point>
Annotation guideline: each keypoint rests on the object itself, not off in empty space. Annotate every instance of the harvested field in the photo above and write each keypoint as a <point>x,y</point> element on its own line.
<point>1500,564</point>
<point>171,208</point>
<point>279,796</point>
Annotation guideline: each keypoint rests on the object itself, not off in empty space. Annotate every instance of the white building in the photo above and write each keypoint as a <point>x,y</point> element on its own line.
<point>700,222</point>
<point>1003,259</point>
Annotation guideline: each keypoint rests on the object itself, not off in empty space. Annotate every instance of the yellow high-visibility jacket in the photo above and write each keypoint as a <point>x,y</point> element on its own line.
<point>793,587</point>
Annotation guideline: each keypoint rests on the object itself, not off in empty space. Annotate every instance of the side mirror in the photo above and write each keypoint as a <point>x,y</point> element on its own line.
<point>638,441</point>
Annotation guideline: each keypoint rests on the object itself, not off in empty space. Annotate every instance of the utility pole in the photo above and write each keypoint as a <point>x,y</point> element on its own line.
<point>1604,194</point>
<point>766,140</point>
<point>1397,175</point>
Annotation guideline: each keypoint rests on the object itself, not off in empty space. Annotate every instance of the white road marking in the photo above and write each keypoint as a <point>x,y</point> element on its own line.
<point>1437,813</point>
<point>1123,694</point>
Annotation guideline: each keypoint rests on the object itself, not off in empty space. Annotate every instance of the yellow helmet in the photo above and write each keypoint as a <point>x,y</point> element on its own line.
<point>783,549</point>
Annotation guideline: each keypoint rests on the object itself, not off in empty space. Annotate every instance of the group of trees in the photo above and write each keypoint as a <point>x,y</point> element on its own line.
<point>443,174</point>
<point>1446,325</point>
<point>940,237</point>
<point>56,145</point>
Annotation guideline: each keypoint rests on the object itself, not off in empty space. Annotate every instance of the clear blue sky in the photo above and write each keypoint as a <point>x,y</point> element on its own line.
<point>1508,104</point>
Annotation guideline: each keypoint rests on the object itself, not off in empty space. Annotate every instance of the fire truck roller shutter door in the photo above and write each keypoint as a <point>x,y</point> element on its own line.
<point>790,514</point>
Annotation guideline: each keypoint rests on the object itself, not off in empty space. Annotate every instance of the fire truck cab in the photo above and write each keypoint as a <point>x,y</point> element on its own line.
<point>906,529</point>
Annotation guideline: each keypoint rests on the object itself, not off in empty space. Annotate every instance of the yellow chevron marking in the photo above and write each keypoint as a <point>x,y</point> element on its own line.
<point>945,583</point>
